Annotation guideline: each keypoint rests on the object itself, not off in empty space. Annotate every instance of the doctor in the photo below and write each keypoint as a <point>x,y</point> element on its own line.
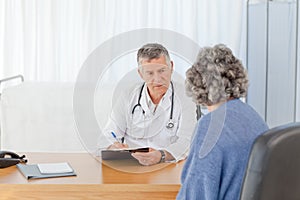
<point>155,113</point>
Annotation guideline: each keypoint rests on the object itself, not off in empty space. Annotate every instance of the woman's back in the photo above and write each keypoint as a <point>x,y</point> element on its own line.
<point>217,161</point>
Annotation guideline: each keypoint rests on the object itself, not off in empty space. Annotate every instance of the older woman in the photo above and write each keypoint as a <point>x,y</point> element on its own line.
<point>223,138</point>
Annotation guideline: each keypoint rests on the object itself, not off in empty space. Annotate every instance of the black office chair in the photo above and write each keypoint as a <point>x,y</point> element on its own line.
<point>273,171</point>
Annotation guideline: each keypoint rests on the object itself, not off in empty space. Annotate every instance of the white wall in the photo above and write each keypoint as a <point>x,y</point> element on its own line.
<point>298,76</point>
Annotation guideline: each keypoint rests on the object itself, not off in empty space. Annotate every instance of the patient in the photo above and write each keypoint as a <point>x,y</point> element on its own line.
<point>223,138</point>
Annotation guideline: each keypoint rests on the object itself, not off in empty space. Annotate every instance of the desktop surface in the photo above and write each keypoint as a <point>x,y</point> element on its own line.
<point>94,179</point>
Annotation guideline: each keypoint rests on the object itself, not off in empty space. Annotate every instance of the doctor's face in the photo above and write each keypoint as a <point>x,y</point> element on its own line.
<point>157,74</point>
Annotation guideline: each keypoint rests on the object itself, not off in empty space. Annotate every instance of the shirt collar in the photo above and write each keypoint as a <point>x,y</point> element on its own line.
<point>150,105</point>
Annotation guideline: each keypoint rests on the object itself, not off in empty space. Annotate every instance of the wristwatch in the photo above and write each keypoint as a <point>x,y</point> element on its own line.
<point>163,156</point>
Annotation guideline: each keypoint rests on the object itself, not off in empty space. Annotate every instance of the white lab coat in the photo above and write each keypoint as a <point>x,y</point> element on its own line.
<point>149,129</point>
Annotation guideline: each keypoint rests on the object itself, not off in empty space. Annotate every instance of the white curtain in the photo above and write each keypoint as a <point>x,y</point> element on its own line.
<point>48,40</point>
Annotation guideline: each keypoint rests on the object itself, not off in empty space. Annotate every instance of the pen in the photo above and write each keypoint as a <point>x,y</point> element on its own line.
<point>114,135</point>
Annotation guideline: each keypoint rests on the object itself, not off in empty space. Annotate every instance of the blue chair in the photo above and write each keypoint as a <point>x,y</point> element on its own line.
<point>273,171</point>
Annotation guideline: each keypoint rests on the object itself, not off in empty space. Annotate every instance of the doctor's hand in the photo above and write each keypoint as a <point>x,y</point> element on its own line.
<point>118,145</point>
<point>149,158</point>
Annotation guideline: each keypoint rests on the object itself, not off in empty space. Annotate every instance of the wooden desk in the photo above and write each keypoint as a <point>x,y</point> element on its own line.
<point>93,181</point>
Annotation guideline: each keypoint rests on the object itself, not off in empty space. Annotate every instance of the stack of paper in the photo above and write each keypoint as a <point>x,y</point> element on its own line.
<point>54,168</point>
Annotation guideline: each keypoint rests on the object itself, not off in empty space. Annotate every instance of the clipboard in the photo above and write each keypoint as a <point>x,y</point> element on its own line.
<point>121,154</point>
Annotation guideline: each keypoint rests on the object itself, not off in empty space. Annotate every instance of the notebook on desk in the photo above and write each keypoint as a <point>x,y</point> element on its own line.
<point>121,154</point>
<point>47,170</point>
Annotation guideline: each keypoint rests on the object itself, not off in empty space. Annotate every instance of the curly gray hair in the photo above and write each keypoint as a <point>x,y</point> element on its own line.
<point>216,76</point>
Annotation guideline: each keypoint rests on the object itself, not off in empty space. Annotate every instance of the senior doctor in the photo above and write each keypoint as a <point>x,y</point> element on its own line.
<point>155,113</point>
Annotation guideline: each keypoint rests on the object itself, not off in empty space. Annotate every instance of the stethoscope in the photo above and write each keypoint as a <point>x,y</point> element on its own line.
<point>170,124</point>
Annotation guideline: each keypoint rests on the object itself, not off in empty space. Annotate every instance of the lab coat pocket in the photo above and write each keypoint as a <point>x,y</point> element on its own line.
<point>172,133</point>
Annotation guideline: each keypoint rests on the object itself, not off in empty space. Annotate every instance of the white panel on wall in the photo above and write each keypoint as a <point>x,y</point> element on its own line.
<point>298,90</point>
<point>298,74</point>
<point>281,63</point>
<point>257,56</point>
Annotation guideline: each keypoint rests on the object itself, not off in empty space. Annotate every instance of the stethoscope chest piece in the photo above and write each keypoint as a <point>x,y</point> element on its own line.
<point>170,125</point>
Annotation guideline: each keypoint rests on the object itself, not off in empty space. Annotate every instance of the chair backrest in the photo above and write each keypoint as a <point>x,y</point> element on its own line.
<point>273,170</point>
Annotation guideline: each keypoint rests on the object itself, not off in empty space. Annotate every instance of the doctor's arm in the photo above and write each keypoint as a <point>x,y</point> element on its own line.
<point>187,123</point>
<point>114,130</point>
